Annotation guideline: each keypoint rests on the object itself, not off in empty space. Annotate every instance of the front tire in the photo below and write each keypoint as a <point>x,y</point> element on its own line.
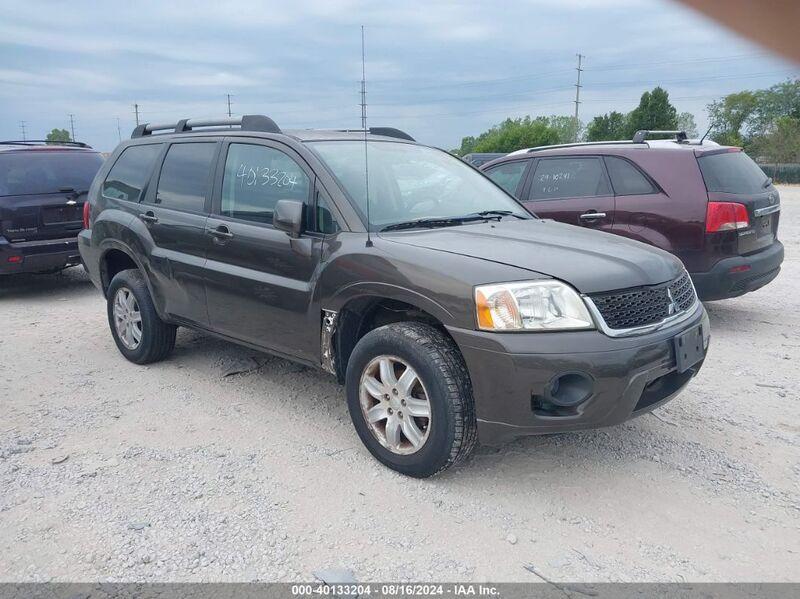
<point>141,336</point>
<point>410,398</point>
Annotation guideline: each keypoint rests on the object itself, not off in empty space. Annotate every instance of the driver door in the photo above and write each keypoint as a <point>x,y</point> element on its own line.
<point>258,280</point>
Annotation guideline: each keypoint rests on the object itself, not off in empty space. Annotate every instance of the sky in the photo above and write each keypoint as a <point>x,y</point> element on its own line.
<point>438,70</point>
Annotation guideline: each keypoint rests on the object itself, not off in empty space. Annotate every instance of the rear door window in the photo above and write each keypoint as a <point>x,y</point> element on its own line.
<point>47,171</point>
<point>568,178</point>
<point>732,172</point>
<point>256,177</point>
<point>627,179</point>
<point>130,172</point>
<point>185,176</point>
<point>508,175</point>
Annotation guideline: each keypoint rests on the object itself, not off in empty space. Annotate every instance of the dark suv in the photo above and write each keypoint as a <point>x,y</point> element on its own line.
<point>446,309</point>
<point>710,205</point>
<point>43,186</point>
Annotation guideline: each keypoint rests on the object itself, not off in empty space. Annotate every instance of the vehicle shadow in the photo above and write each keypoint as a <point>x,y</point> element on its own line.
<point>734,316</point>
<point>26,286</point>
<point>610,449</point>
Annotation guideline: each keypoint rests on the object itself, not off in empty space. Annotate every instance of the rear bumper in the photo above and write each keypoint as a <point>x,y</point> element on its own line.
<point>721,283</point>
<point>37,256</point>
<point>512,374</point>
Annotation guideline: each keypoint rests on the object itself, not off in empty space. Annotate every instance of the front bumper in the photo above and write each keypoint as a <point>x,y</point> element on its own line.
<point>720,283</point>
<point>512,374</point>
<point>37,256</point>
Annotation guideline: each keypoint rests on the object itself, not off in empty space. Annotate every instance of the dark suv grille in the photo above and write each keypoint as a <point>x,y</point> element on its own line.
<point>642,306</point>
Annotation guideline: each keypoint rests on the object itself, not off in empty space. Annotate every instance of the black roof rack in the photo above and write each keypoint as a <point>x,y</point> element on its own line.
<point>642,135</point>
<point>44,142</point>
<point>247,122</point>
<point>384,131</point>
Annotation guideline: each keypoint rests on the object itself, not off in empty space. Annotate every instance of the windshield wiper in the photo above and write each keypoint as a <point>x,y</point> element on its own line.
<point>767,183</point>
<point>434,222</point>
<point>451,221</point>
<point>500,213</point>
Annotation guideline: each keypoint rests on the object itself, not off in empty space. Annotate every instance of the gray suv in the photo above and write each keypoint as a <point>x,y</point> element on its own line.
<point>448,311</point>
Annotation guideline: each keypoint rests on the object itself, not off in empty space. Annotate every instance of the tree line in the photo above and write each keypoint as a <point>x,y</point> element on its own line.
<point>765,122</point>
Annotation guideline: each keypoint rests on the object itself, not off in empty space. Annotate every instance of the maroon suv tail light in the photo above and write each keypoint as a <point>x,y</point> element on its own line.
<point>86,214</point>
<point>726,216</point>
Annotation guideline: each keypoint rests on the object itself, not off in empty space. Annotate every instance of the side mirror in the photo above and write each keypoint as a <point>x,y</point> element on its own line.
<point>288,217</point>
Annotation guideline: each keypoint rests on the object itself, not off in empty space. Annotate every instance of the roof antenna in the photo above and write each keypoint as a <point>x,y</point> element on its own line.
<point>364,127</point>
<point>710,127</point>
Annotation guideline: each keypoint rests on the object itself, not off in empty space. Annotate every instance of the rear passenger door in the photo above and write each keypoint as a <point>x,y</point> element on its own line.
<point>571,189</point>
<point>175,211</point>
<point>643,210</point>
<point>258,279</point>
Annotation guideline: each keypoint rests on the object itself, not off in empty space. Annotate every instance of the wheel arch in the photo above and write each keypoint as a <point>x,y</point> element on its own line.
<point>365,312</point>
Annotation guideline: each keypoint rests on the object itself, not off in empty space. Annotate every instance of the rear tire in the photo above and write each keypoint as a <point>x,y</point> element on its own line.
<point>441,389</point>
<point>141,336</point>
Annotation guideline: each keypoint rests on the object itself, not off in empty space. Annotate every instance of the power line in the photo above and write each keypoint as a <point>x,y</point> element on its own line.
<point>72,125</point>
<point>540,75</point>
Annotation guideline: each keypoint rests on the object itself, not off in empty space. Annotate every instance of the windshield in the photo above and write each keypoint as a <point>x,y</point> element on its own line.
<point>46,171</point>
<point>410,182</point>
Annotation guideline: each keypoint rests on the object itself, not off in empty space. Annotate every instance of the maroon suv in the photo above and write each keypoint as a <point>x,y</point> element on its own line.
<point>710,205</point>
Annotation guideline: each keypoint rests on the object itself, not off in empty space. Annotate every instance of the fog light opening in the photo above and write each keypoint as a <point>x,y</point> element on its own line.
<point>570,389</point>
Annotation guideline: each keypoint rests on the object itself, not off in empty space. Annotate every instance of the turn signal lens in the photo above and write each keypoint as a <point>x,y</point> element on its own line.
<point>726,216</point>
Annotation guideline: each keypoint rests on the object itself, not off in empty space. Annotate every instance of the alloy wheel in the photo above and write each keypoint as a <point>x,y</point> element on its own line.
<point>395,405</point>
<point>127,318</point>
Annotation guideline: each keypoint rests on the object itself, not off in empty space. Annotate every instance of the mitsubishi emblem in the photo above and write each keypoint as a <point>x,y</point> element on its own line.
<point>673,305</point>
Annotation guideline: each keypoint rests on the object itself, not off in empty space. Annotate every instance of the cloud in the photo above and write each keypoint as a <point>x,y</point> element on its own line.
<point>441,69</point>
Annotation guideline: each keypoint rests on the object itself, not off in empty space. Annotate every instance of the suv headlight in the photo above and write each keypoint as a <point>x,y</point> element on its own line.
<point>530,306</point>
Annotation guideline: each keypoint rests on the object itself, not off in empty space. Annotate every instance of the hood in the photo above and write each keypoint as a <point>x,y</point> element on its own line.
<point>591,261</point>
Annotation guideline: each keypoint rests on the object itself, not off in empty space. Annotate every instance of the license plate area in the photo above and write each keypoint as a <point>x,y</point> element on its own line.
<point>57,215</point>
<point>689,348</point>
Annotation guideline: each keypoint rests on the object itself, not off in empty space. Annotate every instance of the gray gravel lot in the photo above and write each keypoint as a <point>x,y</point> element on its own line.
<point>186,470</point>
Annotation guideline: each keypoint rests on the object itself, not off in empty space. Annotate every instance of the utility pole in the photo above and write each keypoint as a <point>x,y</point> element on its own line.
<point>229,105</point>
<point>136,112</point>
<point>22,126</point>
<point>119,131</point>
<point>578,93</point>
<point>72,125</point>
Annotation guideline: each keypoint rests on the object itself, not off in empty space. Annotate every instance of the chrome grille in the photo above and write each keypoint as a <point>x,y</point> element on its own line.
<point>642,306</point>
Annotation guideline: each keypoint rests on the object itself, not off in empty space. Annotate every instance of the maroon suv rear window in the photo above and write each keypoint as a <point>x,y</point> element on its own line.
<point>46,171</point>
<point>732,172</point>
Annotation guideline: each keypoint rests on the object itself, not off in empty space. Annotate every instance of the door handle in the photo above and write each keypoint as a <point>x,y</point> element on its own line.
<point>221,232</point>
<point>592,215</point>
<point>149,217</point>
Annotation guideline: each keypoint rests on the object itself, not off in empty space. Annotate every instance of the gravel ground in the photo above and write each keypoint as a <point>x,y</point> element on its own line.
<point>190,470</point>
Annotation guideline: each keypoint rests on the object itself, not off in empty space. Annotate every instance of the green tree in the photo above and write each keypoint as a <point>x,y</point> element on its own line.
<point>731,115</point>
<point>58,135</point>
<point>611,126</point>
<point>512,134</point>
<point>567,128</point>
<point>781,143</point>
<point>780,100</point>
<point>686,123</point>
<point>654,112</point>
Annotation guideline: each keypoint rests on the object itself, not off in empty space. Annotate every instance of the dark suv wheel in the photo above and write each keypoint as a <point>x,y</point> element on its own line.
<point>141,336</point>
<point>410,398</point>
